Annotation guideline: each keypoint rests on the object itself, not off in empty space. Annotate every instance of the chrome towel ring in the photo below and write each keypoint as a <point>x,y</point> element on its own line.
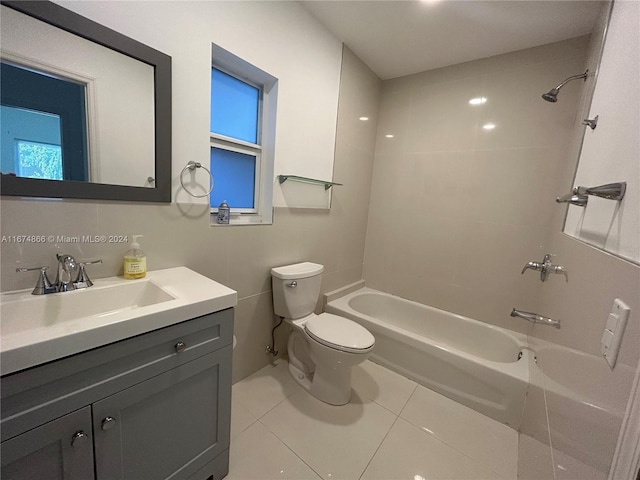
<point>191,166</point>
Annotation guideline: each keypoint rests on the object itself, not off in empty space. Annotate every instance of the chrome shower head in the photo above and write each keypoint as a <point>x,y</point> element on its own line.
<point>552,95</point>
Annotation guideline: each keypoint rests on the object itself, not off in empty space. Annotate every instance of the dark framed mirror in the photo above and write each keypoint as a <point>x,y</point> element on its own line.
<point>130,164</point>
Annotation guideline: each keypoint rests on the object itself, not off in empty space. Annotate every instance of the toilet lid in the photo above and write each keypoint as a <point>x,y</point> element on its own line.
<point>339,333</point>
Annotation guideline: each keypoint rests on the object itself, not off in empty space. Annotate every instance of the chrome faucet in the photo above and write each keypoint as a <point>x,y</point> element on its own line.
<point>546,268</point>
<point>535,318</point>
<point>66,265</point>
<point>44,285</point>
<point>64,282</point>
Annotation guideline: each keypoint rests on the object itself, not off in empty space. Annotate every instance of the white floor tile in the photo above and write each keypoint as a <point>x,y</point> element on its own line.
<point>265,389</point>
<point>386,388</point>
<point>256,454</point>
<point>490,443</point>
<point>392,429</point>
<point>409,453</point>
<point>337,442</point>
<point>534,459</point>
<point>569,468</point>
<point>241,418</point>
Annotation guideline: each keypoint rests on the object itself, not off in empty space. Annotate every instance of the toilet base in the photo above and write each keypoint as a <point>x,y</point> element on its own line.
<point>329,383</point>
<point>331,388</point>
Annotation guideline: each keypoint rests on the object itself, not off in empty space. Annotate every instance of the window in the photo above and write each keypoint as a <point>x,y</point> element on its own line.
<point>242,135</point>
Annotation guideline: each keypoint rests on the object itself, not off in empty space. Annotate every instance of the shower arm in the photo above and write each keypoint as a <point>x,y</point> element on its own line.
<point>573,77</point>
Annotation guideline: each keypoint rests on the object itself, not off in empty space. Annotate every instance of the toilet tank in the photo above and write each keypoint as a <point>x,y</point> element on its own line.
<point>296,289</point>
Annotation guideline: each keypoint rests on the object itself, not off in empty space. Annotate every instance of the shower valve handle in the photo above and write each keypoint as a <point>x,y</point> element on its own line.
<point>546,268</point>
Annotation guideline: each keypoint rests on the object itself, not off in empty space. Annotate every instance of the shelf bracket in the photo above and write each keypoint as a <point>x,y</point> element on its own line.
<point>327,184</point>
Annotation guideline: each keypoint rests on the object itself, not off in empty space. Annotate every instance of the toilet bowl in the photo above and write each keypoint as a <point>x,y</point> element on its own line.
<point>322,348</point>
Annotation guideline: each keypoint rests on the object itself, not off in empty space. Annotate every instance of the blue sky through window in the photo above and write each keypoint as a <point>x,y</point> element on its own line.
<point>234,175</point>
<point>234,107</point>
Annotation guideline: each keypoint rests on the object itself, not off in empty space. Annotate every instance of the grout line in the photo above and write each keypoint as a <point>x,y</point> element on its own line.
<point>546,412</point>
<point>378,447</point>
<point>291,450</point>
<point>454,447</point>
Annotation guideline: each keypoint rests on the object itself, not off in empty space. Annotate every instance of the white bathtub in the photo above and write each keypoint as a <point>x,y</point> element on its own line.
<point>471,362</point>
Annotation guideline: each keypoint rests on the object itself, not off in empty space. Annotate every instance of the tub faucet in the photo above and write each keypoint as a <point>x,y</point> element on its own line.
<point>66,265</point>
<point>535,318</point>
<point>546,268</point>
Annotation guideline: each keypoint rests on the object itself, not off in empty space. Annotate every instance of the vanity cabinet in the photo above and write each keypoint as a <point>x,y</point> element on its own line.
<point>60,449</point>
<point>155,406</point>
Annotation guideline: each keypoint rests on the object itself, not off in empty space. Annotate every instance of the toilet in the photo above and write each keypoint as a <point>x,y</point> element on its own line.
<point>322,348</point>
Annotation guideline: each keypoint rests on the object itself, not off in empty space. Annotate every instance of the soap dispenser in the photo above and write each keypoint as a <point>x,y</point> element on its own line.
<point>135,261</point>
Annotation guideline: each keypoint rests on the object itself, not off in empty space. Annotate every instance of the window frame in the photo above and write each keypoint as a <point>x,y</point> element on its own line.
<point>230,64</point>
<point>223,142</point>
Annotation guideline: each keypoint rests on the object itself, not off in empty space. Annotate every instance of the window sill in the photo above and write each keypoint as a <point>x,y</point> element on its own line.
<point>243,220</point>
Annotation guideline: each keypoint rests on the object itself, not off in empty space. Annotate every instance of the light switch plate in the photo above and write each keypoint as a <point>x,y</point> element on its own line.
<point>614,330</point>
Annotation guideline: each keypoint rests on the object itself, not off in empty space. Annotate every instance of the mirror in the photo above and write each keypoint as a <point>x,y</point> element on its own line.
<point>95,124</point>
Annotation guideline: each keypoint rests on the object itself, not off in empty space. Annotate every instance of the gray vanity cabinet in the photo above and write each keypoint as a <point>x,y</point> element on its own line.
<point>158,428</point>
<point>59,450</point>
<point>156,406</point>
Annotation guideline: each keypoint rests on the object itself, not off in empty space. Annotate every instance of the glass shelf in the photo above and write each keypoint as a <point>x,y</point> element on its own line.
<point>295,178</point>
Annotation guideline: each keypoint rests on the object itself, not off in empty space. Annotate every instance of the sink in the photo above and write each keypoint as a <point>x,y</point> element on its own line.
<point>41,311</point>
<point>35,329</point>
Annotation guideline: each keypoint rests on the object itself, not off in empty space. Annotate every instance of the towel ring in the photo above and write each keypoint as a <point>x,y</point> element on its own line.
<point>191,166</point>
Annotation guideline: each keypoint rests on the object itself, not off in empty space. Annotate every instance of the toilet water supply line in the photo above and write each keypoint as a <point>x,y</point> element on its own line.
<point>272,348</point>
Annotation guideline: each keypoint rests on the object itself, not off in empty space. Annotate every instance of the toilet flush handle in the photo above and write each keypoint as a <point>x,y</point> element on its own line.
<point>293,284</point>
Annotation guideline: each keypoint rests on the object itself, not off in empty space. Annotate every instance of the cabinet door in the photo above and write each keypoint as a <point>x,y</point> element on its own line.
<point>167,427</point>
<point>60,449</point>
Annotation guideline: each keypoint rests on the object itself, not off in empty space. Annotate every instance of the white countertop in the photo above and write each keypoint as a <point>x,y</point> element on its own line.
<point>193,295</point>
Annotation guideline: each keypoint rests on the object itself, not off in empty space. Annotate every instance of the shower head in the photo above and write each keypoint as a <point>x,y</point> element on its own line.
<point>552,95</point>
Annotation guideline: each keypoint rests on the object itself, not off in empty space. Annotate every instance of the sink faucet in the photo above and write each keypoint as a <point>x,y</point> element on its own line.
<point>66,265</point>
<point>64,282</point>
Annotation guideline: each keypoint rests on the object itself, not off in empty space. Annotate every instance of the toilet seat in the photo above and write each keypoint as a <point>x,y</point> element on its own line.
<point>339,333</point>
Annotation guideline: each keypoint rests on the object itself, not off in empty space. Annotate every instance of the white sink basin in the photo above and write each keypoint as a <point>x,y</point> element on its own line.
<point>41,311</point>
<point>39,328</point>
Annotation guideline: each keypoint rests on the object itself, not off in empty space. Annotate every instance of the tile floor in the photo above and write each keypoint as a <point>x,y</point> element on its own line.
<point>393,429</point>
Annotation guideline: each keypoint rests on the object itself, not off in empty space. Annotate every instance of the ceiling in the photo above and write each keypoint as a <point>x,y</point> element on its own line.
<point>401,37</point>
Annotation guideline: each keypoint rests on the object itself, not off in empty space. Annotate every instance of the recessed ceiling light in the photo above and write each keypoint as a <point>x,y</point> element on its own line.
<point>477,101</point>
<point>489,126</point>
<point>364,119</point>
<point>388,135</point>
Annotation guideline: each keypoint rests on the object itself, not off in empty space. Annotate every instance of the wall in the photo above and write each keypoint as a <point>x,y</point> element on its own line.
<point>180,233</point>
<point>280,38</point>
<point>576,437</point>
<point>608,150</point>
<point>457,210</point>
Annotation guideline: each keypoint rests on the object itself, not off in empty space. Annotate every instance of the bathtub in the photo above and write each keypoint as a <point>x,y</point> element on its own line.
<point>471,362</point>
<point>578,405</point>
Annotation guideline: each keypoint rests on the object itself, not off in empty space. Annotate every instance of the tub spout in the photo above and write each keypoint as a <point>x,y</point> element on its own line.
<point>535,318</point>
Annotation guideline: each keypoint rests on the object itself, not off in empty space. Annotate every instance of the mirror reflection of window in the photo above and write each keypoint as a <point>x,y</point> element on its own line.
<point>43,120</point>
<point>39,160</point>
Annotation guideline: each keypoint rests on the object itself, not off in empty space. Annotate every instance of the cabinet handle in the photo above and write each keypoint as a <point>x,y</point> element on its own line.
<point>181,347</point>
<point>79,438</point>
<point>108,423</point>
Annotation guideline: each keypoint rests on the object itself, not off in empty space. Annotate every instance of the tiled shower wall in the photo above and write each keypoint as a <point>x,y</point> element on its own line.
<point>457,210</point>
<point>238,256</point>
